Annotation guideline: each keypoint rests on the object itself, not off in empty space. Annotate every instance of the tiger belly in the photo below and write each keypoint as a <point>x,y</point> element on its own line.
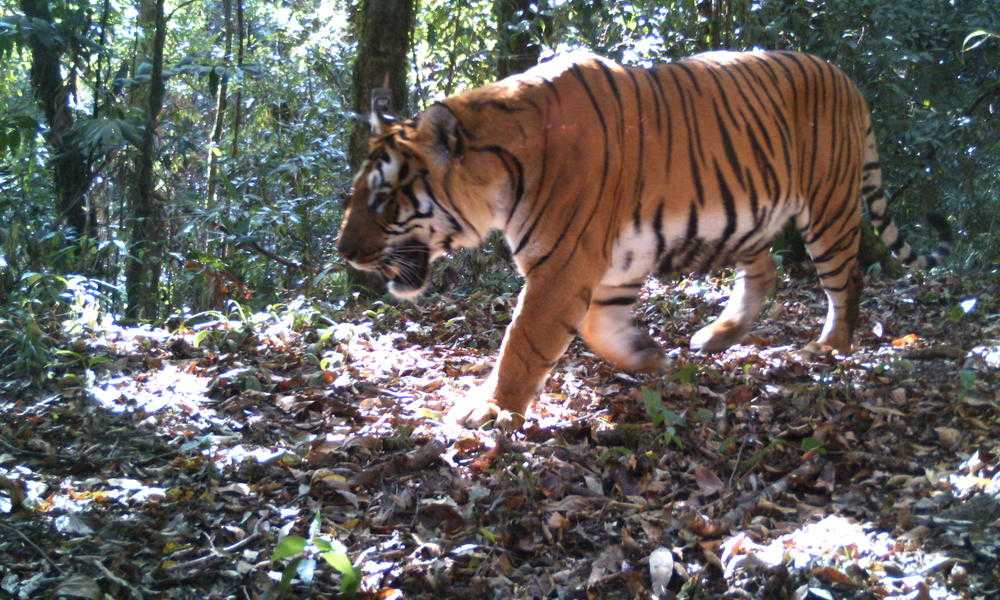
<point>669,249</point>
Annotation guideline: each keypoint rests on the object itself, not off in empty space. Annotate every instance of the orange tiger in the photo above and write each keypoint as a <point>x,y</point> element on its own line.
<point>600,174</point>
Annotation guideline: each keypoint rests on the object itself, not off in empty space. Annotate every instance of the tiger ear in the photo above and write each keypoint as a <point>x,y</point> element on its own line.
<point>439,124</point>
<point>380,119</point>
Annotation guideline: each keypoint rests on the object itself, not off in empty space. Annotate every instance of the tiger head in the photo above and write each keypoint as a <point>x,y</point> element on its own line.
<point>417,196</point>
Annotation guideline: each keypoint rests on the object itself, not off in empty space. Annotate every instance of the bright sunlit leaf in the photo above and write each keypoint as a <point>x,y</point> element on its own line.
<point>288,547</point>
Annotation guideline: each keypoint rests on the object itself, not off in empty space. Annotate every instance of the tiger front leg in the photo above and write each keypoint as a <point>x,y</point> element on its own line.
<point>544,322</point>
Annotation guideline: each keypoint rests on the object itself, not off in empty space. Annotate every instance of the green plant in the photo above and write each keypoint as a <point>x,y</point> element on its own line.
<point>302,554</point>
<point>661,416</point>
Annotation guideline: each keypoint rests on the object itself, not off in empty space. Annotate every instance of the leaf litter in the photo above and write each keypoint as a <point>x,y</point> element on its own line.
<point>306,453</point>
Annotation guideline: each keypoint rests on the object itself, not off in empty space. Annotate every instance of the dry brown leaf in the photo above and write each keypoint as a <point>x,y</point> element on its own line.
<point>948,436</point>
<point>834,576</point>
<point>707,480</point>
<point>905,341</point>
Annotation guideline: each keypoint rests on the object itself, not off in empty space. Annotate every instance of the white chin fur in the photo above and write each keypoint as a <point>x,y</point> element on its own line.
<point>405,293</point>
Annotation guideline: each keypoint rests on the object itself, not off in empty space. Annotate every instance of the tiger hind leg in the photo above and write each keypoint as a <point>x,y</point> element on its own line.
<point>608,329</point>
<point>839,273</point>
<point>755,278</point>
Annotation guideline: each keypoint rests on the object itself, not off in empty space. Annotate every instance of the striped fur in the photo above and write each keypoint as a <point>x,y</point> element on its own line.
<point>599,175</point>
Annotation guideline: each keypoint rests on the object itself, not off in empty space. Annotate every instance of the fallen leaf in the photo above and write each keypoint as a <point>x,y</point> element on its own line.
<point>907,340</point>
<point>707,480</point>
<point>948,436</point>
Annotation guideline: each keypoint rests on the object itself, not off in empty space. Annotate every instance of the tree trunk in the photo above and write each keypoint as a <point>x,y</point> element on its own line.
<point>516,50</point>
<point>238,101</point>
<point>71,169</point>
<point>220,110</point>
<point>145,261</point>
<point>383,29</point>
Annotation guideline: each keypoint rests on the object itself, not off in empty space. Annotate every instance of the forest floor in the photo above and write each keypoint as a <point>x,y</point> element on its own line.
<point>307,451</point>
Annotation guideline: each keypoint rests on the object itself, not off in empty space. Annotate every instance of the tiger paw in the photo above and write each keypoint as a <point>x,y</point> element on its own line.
<point>717,336</point>
<point>820,350</point>
<point>473,413</point>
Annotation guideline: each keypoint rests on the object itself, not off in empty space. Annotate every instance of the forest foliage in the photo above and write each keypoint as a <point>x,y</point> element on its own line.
<point>245,154</point>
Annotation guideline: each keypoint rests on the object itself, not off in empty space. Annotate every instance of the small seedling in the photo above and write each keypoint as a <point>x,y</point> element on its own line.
<point>661,416</point>
<point>303,554</point>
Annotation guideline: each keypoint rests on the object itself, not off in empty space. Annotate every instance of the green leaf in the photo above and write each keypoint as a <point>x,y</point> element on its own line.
<point>322,545</point>
<point>685,375</point>
<point>652,401</point>
<point>287,575</point>
<point>810,443</point>
<point>488,534</point>
<point>200,337</point>
<point>968,379</point>
<point>288,547</point>
<point>350,579</point>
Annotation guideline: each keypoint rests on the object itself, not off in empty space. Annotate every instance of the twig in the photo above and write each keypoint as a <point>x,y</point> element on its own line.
<point>417,460</point>
<point>28,541</point>
<point>256,247</point>
<point>116,579</point>
<point>253,245</point>
<point>732,518</point>
<point>180,6</point>
<point>215,554</point>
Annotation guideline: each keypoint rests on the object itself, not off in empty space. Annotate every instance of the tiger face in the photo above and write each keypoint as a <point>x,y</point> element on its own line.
<point>421,192</point>
<point>389,225</point>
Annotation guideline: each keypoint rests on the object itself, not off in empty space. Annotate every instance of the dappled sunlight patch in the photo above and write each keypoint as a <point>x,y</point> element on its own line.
<point>834,556</point>
<point>174,385</point>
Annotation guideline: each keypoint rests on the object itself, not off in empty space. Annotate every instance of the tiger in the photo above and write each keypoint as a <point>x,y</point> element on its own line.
<point>599,174</point>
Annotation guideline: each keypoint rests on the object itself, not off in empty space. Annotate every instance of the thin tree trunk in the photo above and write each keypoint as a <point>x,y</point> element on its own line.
<point>238,102</point>
<point>98,88</point>
<point>71,169</point>
<point>145,260</point>
<point>220,111</point>
<point>516,50</point>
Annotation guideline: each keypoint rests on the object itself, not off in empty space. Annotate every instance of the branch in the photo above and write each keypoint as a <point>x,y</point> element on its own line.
<point>253,245</point>
<point>250,244</point>
<point>733,518</point>
<point>182,5</point>
<point>41,552</point>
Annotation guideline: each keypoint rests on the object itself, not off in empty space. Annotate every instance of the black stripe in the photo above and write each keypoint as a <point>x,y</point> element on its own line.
<point>727,146</point>
<point>833,251</point>
<point>836,270</point>
<point>692,225</point>
<point>833,218</point>
<point>430,193</point>
<point>515,173</point>
<point>724,94</point>
<point>690,74</point>
<point>729,205</point>
<point>577,72</point>
<point>749,105</point>
<point>657,96</point>
<point>618,98</point>
<point>658,229</point>
<point>616,301</point>
<point>898,244</point>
